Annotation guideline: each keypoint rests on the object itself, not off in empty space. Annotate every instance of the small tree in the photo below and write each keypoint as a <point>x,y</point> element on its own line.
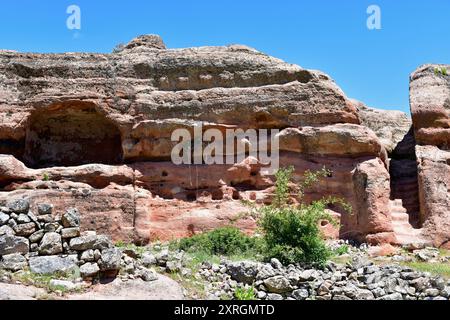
<point>291,231</point>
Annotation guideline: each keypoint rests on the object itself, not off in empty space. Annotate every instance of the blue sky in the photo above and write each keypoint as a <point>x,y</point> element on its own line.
<point>372,66</point>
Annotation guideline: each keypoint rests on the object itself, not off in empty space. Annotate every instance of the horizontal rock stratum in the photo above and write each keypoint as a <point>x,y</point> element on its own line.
<point>93,131</point>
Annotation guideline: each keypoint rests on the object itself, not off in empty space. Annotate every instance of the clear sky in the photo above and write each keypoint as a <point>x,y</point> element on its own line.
<point>329,35</point>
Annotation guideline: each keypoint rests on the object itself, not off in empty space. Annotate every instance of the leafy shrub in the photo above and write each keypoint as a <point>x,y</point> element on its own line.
<point>221,241</point>
<point>291,231</point>
<point>245,294</point>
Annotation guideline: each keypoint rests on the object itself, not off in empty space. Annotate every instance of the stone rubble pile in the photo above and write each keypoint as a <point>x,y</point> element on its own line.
<point>358,280</point>
<point>47,244</point>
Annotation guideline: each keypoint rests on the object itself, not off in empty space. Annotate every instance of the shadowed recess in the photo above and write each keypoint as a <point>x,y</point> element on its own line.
<point>71,134</point>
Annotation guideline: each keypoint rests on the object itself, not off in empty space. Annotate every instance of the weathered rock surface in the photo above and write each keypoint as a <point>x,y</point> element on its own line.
<point>19,292</point>
<point>345,140</point>
<point>430,105</point>
<point>12,244</point>
<point>389,125</point>
<point>51,244</point>
<point>430,108</point>
<point>53,264</point>
<point>434,191</point>
<point>163,288</point>
<point>57,111</point>
<point>13,262</point>
<point>371,181</point>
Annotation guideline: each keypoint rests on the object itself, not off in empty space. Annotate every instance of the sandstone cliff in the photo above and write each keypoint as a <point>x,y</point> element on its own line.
<point>94,131</point>
<point>430,108</point>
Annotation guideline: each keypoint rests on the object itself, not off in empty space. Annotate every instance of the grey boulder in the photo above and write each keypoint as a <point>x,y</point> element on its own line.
<point>53,264</point>
<point>110,259</point>
<point>13,262</point>
<point>71,218</point>
<point>19,206</point>
<point>12,244</point>
<point>51,244</point>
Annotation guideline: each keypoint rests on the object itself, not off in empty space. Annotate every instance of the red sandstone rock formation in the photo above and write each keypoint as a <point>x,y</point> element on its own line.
<point>430,108</point>
<point>94,131</point>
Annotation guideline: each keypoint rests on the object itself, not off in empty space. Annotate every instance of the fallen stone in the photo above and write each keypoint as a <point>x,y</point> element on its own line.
<point>3,218</point>
<point>147,275</point>
<point>87,255</point>
<point>51,244</point>
<point>13,262</point>
<point>45,209</point>
<point>25,229</point>
<point>162,257</point>
<point>64,284</point>
<point>103,242</point>
<point>37,236</point>
<point>300,294</point>
<point>148,259</point>
<point>274,296</point>
<point>86,241</point>
<point>244,271</point>
<point>70,232</point>
<point>277,284</point>
<point>45,218</point>
<point>393,296</point>
<point>276,264</point>
<point>307,275</point>
<point>426,254</point>
<point>12,244</point>
<point>19,206</point>
<point>6,230</point>
<point>53,264</point>
<point>363,294</point>
<point>89,270</point>
<point>23,218</point>
<point>173,266</point>
<point>71,218</point>
<point>110,259</point>
<point>340,297</point>
<point>51,226</point>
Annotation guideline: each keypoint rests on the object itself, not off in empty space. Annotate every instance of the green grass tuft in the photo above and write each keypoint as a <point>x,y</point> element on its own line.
<point>245,294</point>
<point>438,269</point>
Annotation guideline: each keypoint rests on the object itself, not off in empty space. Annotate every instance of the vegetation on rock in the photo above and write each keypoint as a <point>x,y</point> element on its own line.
<point>221,241</point>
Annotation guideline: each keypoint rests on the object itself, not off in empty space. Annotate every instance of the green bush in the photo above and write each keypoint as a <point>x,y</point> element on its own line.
<point>221,241</point>
<point>291,231</point>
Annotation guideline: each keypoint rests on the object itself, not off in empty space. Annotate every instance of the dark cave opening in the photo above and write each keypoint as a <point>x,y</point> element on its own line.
<point>71,134</point>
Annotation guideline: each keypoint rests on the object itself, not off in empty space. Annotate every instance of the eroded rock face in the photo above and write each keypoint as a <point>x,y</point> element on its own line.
<point>389,125</point>
<point>430,108</point>
<point>430,105</point>
<point>371,181</point>
<point>434,191</point>
<point>93,131</point>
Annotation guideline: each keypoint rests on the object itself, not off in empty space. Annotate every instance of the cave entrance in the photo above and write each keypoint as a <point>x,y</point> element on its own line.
<point>71,134</point>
